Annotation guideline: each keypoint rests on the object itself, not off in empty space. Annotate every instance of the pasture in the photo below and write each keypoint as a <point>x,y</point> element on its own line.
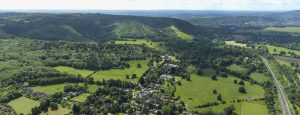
<point>254,109</point>
<point>23,105</point>
<point>52,89</point>
<point>200,90</point>
<point>81,98</point>
<point>287,60</point>
<point>284,29</point>
<point>259,77</point>
<point>121,73</point>
<point>70,70</point>
<point>181,34</point>
<point>150,44</point>
<point>60,111</point>
<point>279,49</point>
<point>233,43</point>
<point>237,68</point>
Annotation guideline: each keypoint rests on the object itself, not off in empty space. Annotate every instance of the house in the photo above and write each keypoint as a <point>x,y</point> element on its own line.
<point>164,76</point>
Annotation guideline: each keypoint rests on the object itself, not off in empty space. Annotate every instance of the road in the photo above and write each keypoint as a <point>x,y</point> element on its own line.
<point>286,108</point>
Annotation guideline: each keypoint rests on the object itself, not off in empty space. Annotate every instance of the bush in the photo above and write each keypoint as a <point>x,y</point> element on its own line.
<point>242,90</point>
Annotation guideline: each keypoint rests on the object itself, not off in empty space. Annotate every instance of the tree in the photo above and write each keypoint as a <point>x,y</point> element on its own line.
<point>235,81</point>
<point>53,106</point>
<point>133,76</point>
<point>76,108</point>
<point>215,91</point>
<point>241,82</point>
<point>219,97</point>
<point>199,71</point>
<point>127,76</point>
<point>230,110</point>
<point>242,90</point>
<point>214,77</point>
<point>139,65</point>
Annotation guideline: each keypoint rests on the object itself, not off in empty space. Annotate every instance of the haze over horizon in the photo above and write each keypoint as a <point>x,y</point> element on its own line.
<point>234,5</point>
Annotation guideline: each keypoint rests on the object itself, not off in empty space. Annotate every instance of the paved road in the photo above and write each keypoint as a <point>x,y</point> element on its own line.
<point>286,108</point>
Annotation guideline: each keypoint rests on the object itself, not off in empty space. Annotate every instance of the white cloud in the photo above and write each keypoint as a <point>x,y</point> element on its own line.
<point>152,4</point>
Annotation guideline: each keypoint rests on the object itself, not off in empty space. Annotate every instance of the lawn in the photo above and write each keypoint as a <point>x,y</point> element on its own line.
<point>121,73</point>
<point>60,111</point>
<point>23,105</point>
<point>279,49</point>
<point>237,68</point>
<point>284,29</point>
<point>70,70</point>
<point>150,44</point>
<point>81,98</point>
<point>259,77</point>
<point>52,89</point>
<point>181,34</point>
<point>233,43</point>
<point>254,109</point>
<point>200,90</point>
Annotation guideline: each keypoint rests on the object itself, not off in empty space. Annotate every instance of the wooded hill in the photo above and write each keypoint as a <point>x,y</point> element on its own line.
<point>83,27</point>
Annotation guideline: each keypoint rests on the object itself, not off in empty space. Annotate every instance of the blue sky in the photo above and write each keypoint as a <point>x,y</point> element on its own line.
<point>269,5</point>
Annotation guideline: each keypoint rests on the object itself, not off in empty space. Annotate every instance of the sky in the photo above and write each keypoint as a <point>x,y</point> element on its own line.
<point>256,5</point>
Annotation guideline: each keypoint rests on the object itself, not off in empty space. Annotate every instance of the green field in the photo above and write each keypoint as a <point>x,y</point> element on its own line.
<point>70,70</point>
<point>233,43</point>
<point>181,34</point>
<point>199,90</point>
<point>60,111</point>
<point>154,45</point>
<point>81,98</point>
<point>52,89</point>
<point>121,73</point>
<point>284,29</point>
<point>254,109</point>
<point>237,68</point>
<point>23,105</point>
<point>259,77</point>
<point>279,49</point>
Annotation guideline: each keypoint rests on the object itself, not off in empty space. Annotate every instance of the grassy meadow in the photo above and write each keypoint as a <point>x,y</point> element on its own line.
<point>284,29</point>
<point>200,90</point>
<point>52,89</point>
<point>259,77</point>
<point>121,73</point>
<point>23,105</point>
<point>81,98</point>
<point>279,49</point>
<point>237,68</point>
<point>181,34</point>
<point>233,43</point>
<point>70,70</point>
<point>60,111</point>
<point>254,109</point>
<point>150,44</point>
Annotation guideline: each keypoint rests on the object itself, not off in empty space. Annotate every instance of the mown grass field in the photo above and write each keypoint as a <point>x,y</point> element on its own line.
<point>200,90</point>
<point>181,34</point>
<point>259,77</point>
<point>237,68</point>
<point>52,89</point>
<point>60,111</point>
<point>279,49</point>
<point>23,105</point>
<point>233,43</point>
<point>254,109</point>
<point>284,29</point>
<point>70,70</point>
<point>121,73</point>
<point>81,98</point>
<point>150,44</point>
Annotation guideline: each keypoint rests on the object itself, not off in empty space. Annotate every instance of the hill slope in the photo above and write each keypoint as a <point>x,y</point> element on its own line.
<point>87,26</point>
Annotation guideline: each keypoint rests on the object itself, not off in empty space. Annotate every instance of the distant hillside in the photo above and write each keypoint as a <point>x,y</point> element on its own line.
<point>87,26</point>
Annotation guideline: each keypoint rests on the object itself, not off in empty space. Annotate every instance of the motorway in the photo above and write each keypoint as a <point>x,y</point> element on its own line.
<point>286,108</point>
